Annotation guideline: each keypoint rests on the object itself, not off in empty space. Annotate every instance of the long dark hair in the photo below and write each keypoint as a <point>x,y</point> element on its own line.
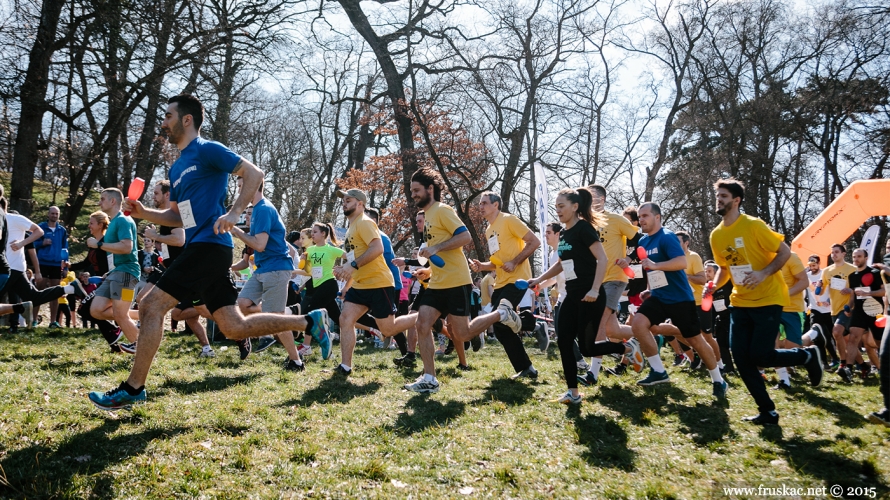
<point>328,231</point>
<point>584,199</point>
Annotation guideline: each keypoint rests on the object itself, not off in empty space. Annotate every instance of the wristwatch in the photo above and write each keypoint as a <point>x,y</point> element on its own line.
<point>354,264</point>
<point>99,244</point>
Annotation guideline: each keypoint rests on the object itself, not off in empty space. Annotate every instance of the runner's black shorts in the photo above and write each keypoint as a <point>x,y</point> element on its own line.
<point>683,315</point>
<point>379,301</point>
<point>454,301</point>
<point>202,272</point>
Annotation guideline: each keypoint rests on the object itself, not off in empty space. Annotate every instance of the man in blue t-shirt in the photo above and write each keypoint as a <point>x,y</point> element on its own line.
<point>266,290</point>
<point>115,295</point>
<point>198,181</point>
<point>671,298</point>
<point>51,250</point>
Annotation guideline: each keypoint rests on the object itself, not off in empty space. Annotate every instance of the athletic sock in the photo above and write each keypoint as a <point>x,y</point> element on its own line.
<point>68,289</point>
<point>595,365</point>
<point>715,375</point>
<point>347,368</point>
<point>655,363</point>
<point>206,348</point>
<point>298,361</point>
<point>402,342</point>
<point>309,322</point>
<point>720,364</point>
<point>812,335</point>
<point>783,375</point>
<point>130,390</point>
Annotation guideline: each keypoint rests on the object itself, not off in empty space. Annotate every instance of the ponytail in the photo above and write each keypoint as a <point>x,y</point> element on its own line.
<point>328,231</point>
<point>583,197</point>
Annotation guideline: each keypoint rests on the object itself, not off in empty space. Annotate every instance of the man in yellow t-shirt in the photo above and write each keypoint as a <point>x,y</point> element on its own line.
<point>510,243</point>
<point>695,274</point>
<point>373,289</point>
<point>794,274</point>
<point>835,279</point>
<point>752,254</point>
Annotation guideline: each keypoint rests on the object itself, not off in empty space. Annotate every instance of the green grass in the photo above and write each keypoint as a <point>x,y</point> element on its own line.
<point>230,429</point>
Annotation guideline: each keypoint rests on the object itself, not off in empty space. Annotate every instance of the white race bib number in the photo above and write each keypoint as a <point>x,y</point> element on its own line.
<point>110,258</point>
<point>720,305</point>
<point>568,268</point>
<point>350,256</point>
<point>317,272</point>
<point>862,289</point>
<point>416,288</point>
<point>637,269</point>
<point>165,253</point>
<point>493,245</point>
<point>657,279</point>
<point>838,283</point>
<point>185,212</point>
<point>421,260</point>
<point>739,273</point>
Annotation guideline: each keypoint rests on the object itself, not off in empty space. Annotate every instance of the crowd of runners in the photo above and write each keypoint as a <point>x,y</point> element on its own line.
<point>755,306</point>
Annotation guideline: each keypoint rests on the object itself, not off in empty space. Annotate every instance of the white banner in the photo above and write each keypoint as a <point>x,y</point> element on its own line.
<point>870,242</point>
<point>542,195</point>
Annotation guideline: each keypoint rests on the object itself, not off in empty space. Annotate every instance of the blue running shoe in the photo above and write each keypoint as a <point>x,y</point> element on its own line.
<point>655,378</point>
<point>720,389</point>
<point>319,331</point>
<point>116,399</point>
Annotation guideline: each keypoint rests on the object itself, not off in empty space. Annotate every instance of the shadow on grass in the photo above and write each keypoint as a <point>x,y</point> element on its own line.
<point>846,417</point>
<point>706,423</point>
<point>659,399</point>
<point>206,384</point>
<point>605,440</point>
<point>816,459</point>
<point>41,471</point>
<point>510,392</point>
<point>336,389</point>
<point>424,412</point>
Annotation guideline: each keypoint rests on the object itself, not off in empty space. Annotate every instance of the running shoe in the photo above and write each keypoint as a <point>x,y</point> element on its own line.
<point>529,373</point>
<point>292,366</point>
<point>207,353</point>
<point>319,331</point>
<point>54,324</point>
<point>463,368</point>
<point>655,378</point>
<point>117,398</point>
<point>476,343</point>
<point>119,336</point>
<point>815,371</point>
<point>79,291</point>
<point>542,337</point>
<point>679,359</point>
<point>582,366</point>
<point>636,355</point>
<point>342,371</point>
<point>696,363</point>
<point>770,418</point>
<point>569,399</point>
<point>408,360</point>
<point>128,348</point>
<point>782,386</point>
<point>449,348</point>
<point>264,343</point>
<point>512,319</point>
<point>116,348</point>
<point>617,370</point>
<point>424,386</point>
<point>846,374</point>
<point>28,313</point>
<point>587,379</point>
<point>880,417</point>
<point>720,389</point>
<point>304,350</point>
<point>244,348</point>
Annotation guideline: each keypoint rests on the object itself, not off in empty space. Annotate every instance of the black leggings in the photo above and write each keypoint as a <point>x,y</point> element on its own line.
<point>324,296</point>
<point>574,317</point>
<point>64,310</point>
<point>108,330</point>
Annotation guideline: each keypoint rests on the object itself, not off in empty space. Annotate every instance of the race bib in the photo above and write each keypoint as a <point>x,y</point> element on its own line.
<point>317,272</point>
<point>493,245</point>
<point>350,256</point>
<point>421,260</point>
<point>568,268</point>
<point>720,305</point>
<point>110,258</point>
<point>872,307</point>
<point>862,289</point>
<point>838,283</point>
<point>657,279</point>
<point>185,212</point>
<point>739,273</point>
<point>164,252</point>
<point>416,288</point>
<point>637,269</point>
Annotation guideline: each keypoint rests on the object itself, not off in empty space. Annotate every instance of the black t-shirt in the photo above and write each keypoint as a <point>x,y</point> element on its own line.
<point>867,306</point>
<point>4,235</point>
<point>574,246</point>
<point>638,284</point>
<point>171,250</point>
<point>723,294</point>
<point>95,263</point>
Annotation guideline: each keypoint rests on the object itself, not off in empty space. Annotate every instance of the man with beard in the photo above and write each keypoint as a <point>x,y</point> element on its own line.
<point>198,181</point>
<point>752,254</point>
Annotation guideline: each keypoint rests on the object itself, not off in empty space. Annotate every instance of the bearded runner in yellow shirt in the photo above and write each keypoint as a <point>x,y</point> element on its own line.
<point>835,280</point>
<point>510,243</point>
<point>448,294</point>
<point>751,254</point>
<point>373,288</point>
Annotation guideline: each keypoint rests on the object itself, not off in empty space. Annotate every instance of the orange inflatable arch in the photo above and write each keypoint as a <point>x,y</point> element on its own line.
<point>861,200</point>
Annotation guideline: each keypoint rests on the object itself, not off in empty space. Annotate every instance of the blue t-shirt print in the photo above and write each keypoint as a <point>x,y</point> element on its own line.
<point>275,257</point>
<point>198,181</point>
<point>662,247</point>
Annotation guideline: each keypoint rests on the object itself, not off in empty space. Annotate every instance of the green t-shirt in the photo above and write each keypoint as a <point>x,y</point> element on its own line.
<point>320,262</point>
<point>123,228</point>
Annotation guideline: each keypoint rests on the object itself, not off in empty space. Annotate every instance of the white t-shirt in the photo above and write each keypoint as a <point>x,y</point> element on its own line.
<point>16,225</point>
<point>298,279</point>
<point>560,278</point>
<point>821,303</point>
